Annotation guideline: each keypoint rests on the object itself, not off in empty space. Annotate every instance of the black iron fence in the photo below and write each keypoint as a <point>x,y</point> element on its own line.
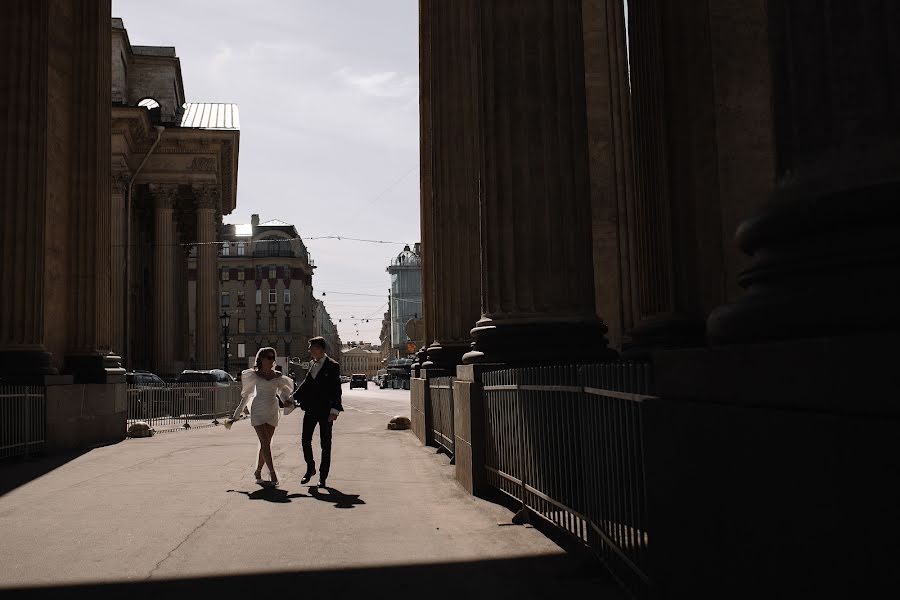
<point>442,426</point>
<point>183,405</point>
<point>566,442</point>
<point>23,420</point>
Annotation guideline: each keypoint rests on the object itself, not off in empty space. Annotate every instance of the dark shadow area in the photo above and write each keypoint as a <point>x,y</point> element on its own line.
<point>15,472</point>
<point>270,494</point>
<point>558,576</point>
<point>336,497</point>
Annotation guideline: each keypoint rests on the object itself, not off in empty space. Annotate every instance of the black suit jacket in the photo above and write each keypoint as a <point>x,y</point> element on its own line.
<point>320,394</point>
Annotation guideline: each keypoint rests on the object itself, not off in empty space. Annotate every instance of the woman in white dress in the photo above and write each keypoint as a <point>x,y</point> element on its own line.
<point>260,387</point>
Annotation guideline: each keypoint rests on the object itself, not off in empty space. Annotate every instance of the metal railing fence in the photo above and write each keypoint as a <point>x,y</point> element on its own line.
<point>23,420</point>
<point>442,425</point>
<point>567,442</point>
<point>182,405</point>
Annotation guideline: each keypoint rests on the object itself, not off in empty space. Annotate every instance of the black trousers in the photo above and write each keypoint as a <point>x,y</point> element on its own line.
<point>310,420</point>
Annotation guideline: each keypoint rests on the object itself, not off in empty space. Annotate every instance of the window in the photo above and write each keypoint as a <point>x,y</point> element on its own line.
<point>259,272</point>
<point>241,249</point>
<point>242,349</point>
<point>287,322</point>
<point>287,295</point>
<point>241,275</point>
<point>226,299</point>
<point>273,324</point>
<point>273,296</point>
<point>273,272</point>
<point>226,274</point>
<point>240,298</point>
<point>226,249</point>
<point>259,296</point>
<point>242,327</point>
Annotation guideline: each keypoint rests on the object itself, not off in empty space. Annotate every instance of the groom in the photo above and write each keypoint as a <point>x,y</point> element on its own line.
<point>319,396</point>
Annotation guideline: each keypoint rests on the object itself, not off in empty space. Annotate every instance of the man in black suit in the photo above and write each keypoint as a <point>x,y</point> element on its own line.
<point>319,396</point>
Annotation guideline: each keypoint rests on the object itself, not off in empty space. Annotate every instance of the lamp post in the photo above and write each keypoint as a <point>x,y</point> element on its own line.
<point>226,319</point>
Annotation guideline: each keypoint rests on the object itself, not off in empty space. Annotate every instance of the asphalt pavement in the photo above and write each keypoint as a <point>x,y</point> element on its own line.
<point>180,512</point>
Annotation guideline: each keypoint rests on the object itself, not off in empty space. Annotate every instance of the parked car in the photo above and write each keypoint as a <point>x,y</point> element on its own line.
<point>205,392</point>
<point>147,395</point>
<point>358,380</point>
<point>345,379</point>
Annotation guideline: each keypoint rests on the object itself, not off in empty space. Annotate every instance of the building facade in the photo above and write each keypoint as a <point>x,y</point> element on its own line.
<point>361,359</point>
<point>406,296</point>
<point>264,284</point>
<point>324,327</point>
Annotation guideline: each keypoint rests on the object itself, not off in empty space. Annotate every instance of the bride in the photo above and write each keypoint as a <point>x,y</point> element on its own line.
<point>260,387</point>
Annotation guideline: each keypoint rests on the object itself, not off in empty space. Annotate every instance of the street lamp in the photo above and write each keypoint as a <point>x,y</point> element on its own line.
<point>226,319</point>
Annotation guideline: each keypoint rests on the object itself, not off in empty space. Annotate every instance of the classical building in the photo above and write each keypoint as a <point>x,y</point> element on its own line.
<point>174,168</point>
<point>406,297</point>
<point>323,326</point>
<point>264,283</point>
<point>360,359</point>
<point>387,351</point>
<point>108,175</point>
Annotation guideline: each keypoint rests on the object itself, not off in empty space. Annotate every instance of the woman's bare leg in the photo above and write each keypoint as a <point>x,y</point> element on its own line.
<point>270,433</point>
<point>265,450</point>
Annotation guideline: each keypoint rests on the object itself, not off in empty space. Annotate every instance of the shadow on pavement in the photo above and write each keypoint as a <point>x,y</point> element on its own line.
<point>270,494</point>
<point>520,578</point>
<point>339,499</point>
<point>15,472</point>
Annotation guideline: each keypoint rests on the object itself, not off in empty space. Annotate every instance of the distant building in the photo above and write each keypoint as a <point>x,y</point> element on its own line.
<point>323,326</point>
<point>265,286</point>
<point>406,297</point>
<point>361,359</point>
<point>388,352</point>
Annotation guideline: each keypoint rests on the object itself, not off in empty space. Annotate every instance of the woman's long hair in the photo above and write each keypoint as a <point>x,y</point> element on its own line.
<point>259,354</point>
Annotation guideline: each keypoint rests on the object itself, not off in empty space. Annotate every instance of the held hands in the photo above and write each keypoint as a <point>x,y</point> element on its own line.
<point>332,417</point>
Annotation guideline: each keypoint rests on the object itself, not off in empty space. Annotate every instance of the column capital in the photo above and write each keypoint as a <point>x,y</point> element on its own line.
<point>207,196</point>
<point>164,194</point>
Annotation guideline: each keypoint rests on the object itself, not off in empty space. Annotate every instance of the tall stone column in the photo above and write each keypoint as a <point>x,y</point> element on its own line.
<point>164,285</point>
<point>826,249</point>
<point>537,283</point>
<point>89,355</point>
<point>207,334</point>
<point>454,261</point>
<point>425,180</point>
<point>117,297</point>
<point>24,158</point>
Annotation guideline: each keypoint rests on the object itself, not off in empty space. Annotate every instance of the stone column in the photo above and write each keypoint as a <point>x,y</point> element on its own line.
<point>535,208</point>
<point>425,181</point>
<point>451,153</point>
<point>117,297</point>
<point>609,143</point>
<point>207,333</point>
<point>164,285</point>
<point>88,354</point>
<point>24,158</point>
<point>826,249</point>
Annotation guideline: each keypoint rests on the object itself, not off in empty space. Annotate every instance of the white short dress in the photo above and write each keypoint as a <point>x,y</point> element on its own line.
<point>262,395</point>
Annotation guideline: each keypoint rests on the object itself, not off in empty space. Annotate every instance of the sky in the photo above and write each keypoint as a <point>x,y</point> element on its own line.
<point>327,92</point>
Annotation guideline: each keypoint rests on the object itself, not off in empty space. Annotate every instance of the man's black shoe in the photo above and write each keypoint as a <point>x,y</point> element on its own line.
<point>307,477</point>
<point>322,482</point>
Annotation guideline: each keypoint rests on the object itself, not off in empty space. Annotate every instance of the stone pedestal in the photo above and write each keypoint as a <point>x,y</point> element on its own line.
<point>752,450</point>
<point>468,415</point>
<point>534,190</point>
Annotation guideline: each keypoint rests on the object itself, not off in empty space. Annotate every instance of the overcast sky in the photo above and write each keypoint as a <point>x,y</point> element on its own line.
<point>328,97</point>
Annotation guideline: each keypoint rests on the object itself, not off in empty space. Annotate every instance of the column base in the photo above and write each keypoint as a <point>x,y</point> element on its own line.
<point>95,368</point>
<point>523,342</point>
<point>446,355</point>
<point>663,333</point>
<point>25,367</point>
<point>823,264</point>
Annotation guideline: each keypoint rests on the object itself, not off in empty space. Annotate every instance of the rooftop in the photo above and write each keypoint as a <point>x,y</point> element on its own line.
<point>210,115</point>
<point>153,50</point>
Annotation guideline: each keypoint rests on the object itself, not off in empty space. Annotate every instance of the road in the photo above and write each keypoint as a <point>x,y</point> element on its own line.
<point>375,401</point>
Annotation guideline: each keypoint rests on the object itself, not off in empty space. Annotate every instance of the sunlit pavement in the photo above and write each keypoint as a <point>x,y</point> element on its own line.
<point>184,505</point>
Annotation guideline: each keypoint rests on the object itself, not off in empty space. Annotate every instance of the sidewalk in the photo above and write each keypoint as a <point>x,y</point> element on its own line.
<point>183,506</point>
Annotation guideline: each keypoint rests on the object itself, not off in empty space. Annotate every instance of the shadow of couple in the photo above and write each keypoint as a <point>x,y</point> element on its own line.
<point>280,496</point>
